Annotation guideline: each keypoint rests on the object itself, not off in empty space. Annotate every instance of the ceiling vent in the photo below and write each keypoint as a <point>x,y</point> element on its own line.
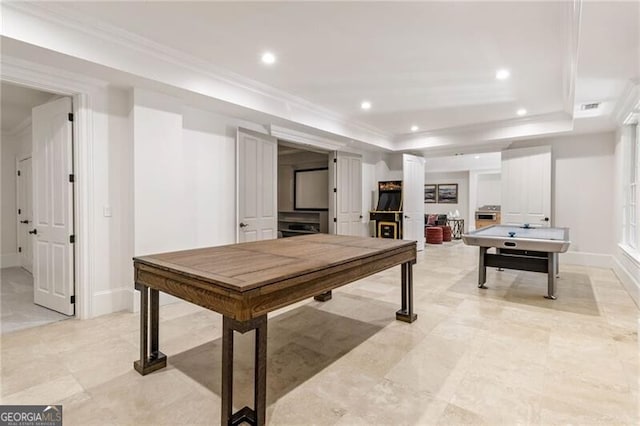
<point>588,107</point>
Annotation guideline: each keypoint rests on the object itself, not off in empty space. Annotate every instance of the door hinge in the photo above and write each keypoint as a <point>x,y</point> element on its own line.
<point>335,160</point>
<point>72,239</point>
<point>19,211</point>
<point>19,249</point>
<point>70,116</point>
<point>335,220</point>
<point>335,189</point>
<point>18,172</point>
<point>73,299</point>
<point>72,178</point>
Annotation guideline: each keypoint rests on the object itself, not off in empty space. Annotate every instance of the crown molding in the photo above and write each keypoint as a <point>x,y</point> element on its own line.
<point>20,127</point>
<point>480,127</point>
<point>304,138</point>
<point>487,133</point>
<point>66,17</point>
<point>46,78</point>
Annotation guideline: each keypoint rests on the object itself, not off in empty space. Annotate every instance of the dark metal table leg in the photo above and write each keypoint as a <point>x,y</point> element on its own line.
<point>257,415</point>
<point>260,373</point>
<point>498,252</point>
<point>482,269</point>
<point>323,297</point>
<point>551,276</point>
<point>406,314</point>
<point>227,372</point>
<point>151,359</point>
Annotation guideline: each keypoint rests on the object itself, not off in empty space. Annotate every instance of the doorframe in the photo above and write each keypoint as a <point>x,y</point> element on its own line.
<point>18,160</point>
<point>82,91</point>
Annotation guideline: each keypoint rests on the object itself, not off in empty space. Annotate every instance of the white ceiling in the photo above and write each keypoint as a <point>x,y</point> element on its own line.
<point>609,59</point>
<point>431,64</point>
<point>16,104</point>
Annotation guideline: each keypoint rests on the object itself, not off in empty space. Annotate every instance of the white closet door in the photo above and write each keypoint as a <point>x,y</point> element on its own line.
<point>347,206</point>
<point>257,186</point>
<point>52,157</point>
<point>413,199</point>
<point>526,186</point>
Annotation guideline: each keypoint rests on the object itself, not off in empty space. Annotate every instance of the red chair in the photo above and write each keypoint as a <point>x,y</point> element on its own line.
<point>433,234</point>
<point>446,233</point>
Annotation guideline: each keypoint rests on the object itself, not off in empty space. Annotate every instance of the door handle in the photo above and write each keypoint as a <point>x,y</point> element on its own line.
<point>24,221</point>
<point>243,225</point>
<point>34,232</point>
<point>546,219</point>
<point>406,217</point>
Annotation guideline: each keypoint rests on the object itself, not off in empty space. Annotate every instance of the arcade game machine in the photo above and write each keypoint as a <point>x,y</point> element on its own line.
<point>388,213</point>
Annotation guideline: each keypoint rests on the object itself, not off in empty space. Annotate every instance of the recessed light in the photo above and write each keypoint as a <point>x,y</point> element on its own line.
<point>521,112</point>
<point>503,74</point>
<point>414,128</point>
<point>268,58</point>
<point>365,105</point>
<point>476,157</point>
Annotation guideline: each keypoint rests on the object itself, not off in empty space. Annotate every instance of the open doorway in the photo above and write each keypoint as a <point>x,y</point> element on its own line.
<point>37,275</point>
<point>303,190</point>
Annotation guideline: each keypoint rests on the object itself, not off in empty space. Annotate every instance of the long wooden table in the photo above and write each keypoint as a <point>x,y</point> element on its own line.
<point>246,281</point>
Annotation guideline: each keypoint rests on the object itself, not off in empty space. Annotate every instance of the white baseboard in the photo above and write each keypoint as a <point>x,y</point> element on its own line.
<point>9,260</point>
<point>628,278</point>
<point>165,299</point>
<point>596,260</point>
<point>109,301</point>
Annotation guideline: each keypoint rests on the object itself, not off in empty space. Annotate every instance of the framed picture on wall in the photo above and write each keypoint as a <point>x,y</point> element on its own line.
<point>448,193</point>
<point>430,193</point>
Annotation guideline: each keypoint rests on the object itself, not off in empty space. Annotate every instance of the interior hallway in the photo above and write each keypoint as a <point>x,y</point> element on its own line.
<point>504,355</point>
<point>17,308</point>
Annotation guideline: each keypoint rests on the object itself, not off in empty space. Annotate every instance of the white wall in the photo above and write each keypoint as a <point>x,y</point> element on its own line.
<point>485,161</point>
<point>112,201</point>
<point>462,179</point>
<point>9,251</point>
<point>13,147</point>
<point>582,193</point>
<point>184,166</point>
<point>489,190</point>
<point>184,163</point>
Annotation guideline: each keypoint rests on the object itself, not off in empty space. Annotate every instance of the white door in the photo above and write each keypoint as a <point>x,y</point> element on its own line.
<point>25,214</point>
<point>413,199</point>
<point>526,186</point>
<point>257,190</point>
<point>346,170</point>
<point>52,157</point>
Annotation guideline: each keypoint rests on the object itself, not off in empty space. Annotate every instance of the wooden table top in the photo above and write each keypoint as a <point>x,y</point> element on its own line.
<point>246,266</point>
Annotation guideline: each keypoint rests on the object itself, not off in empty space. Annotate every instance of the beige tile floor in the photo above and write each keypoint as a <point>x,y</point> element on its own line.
<point>17,310</point>
<point>504,355</point>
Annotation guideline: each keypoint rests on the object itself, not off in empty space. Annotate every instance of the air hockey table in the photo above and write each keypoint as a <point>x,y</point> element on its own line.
<point>523,248</point>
